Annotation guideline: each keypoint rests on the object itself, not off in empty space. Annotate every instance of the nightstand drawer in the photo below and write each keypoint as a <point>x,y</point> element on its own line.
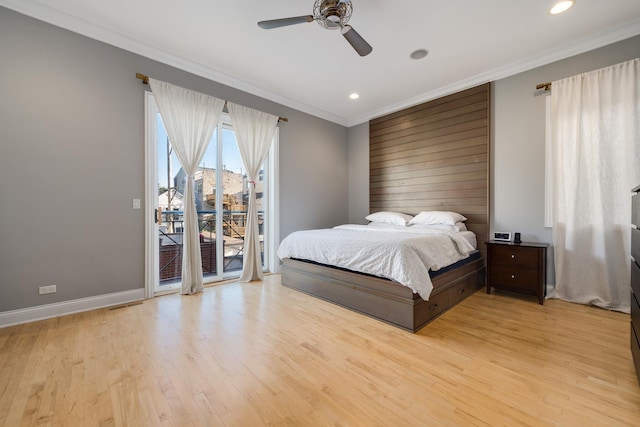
<point>635,210</point>
<point>514,256</point>
<point>635,279</point>
<point>504,276</point>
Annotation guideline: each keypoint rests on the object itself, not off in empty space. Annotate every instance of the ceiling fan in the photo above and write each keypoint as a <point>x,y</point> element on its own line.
<point>330,14</point>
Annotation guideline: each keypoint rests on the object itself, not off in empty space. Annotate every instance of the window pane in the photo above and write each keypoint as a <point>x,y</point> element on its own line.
<point>170,225</point>
<point>233,202</point>
<point>236,201</point>
<point>171,187</point>
<point>206,178</point>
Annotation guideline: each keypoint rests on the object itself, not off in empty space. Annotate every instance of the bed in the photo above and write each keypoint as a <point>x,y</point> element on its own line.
<point>405,275</point>
<point>430,157</point>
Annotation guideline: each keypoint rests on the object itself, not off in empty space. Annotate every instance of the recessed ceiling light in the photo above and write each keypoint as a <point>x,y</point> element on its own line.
<point>419,54</point>
<point>354,96</point>
<point>561,6</point>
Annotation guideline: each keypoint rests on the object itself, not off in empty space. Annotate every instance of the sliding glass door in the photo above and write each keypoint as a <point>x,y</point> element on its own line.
<point>222,192</point>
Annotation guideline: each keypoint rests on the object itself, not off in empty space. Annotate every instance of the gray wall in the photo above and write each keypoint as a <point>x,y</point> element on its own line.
<point>313,175</point>
<point>72,160</point>
<point>358,173</point>
<point>517,146</point>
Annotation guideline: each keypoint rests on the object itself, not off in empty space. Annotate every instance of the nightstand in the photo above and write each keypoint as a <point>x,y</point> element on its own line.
<point>517,267</point>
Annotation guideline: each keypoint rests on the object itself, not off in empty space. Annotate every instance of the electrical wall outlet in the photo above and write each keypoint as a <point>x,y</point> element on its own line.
<point>47,289</point>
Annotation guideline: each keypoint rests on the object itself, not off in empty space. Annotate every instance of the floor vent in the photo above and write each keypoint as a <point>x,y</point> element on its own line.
<point>130,304</point>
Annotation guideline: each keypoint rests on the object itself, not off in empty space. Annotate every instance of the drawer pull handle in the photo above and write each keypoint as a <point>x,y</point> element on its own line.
<point>513,256</point>
<point>513,276</point>
<point>461,291</point>
<point>433,307</point>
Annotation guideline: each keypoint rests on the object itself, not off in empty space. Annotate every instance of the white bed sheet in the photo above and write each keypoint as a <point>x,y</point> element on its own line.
<point>402,254</point>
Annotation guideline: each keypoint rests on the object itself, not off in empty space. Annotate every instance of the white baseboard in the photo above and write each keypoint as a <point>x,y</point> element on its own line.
<point>47,311</point>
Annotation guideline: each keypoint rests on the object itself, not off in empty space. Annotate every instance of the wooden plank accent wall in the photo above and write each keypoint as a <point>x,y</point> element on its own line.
<point>434,156</point>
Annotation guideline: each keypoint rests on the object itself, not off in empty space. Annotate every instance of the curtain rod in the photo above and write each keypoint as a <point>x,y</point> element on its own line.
<point>145,80</point>
<point>545,86</point>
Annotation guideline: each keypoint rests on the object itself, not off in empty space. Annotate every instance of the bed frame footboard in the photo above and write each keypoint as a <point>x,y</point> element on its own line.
<point>381,298</point>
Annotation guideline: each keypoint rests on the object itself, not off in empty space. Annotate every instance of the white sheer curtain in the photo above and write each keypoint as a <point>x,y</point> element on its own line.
<point>190,119</point>
<point>254,132</point>
<point>595,125</point>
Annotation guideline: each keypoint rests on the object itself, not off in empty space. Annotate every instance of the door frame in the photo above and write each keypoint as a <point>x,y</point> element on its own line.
<point>152,258</point>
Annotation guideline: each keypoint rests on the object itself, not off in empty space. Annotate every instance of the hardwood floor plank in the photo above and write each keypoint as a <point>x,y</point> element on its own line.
<point>262,354</point>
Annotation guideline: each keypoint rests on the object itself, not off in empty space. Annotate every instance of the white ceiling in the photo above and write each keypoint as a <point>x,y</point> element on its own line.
<point>314,70</point>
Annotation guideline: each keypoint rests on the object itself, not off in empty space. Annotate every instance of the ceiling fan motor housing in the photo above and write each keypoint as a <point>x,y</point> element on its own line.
<point>332,14</point>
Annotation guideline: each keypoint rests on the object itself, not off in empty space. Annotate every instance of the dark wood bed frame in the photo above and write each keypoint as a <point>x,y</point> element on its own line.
<point>434,156</point>
<point>381,298</point>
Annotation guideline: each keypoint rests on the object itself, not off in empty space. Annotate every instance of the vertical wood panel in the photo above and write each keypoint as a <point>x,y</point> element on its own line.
<point>434,156</point>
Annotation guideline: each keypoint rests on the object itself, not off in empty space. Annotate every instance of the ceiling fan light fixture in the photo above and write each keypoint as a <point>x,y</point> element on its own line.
<point>561,6</point>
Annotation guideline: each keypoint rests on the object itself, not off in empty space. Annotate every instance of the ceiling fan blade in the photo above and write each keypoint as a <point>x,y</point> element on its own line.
<point>356,41</point>
<point>283,22</point>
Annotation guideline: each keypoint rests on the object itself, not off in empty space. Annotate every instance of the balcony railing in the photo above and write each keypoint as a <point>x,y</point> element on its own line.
<point>233,232</point>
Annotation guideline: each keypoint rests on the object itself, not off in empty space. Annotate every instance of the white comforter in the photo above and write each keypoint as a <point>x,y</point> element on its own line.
<point>402,254</point>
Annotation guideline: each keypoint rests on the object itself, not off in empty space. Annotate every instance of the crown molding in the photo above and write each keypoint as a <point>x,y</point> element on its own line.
<point>41,12</point>
<point>105,35</point>
<point>587,44</point>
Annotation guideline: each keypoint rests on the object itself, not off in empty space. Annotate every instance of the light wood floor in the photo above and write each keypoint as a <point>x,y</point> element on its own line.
<point>261,354</point>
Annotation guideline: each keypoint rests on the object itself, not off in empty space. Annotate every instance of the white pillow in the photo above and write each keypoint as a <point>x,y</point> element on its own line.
<point>437,217</point>
<point>389,217</point>
<point>458,226</point>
